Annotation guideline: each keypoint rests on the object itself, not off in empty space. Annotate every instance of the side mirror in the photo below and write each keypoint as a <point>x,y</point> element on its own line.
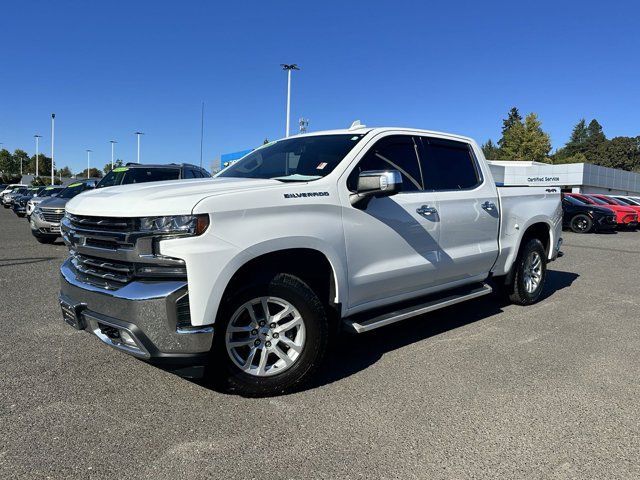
<point>376,183</point>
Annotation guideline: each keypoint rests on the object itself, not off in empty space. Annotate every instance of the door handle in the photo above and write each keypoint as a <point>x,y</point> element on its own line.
<point>427,210</point>
<point>489,206</point>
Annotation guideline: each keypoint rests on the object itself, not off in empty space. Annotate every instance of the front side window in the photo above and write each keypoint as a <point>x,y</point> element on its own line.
<point>448,165</point>
<point>396,152</point>
<point>297,159</point>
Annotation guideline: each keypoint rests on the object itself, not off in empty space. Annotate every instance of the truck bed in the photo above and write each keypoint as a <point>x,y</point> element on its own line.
<point>516,205</point>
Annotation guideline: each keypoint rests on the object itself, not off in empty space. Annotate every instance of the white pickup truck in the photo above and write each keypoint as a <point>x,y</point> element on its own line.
<point>247,276</point>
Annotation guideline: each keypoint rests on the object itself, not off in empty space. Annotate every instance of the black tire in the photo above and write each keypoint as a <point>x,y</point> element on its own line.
<point>229,377</point>
<point>518,291</point>
<point>581,223</point>
<point>48,240</point>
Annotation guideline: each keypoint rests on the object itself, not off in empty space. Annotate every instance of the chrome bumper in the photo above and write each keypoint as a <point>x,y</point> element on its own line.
<point>145,310</point>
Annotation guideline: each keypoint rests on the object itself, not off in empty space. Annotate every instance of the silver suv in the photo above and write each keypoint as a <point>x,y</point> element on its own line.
<point>45,219</point>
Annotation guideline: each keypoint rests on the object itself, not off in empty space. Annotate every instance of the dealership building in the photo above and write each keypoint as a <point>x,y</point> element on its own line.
<point>570,177</point>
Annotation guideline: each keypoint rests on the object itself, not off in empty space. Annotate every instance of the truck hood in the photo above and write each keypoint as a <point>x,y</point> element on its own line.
<point>174,197</point>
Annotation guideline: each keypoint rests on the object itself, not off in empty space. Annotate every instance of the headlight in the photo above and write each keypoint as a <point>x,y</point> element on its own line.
<point>176,224</point>
<point>37,212</point>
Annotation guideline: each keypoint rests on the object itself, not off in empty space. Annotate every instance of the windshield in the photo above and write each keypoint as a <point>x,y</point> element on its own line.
<point>298,159</point>
<point>574,201</point>
<point>73,190</point>
<point>626,201</point>
<point>599,201</point>
<point>126,175</point>
<point>47,192</point>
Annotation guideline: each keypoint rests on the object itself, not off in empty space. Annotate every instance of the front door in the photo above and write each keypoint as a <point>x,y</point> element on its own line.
<point>392,244</point>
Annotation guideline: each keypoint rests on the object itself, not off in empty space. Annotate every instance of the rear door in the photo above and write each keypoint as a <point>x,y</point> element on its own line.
<point>467,208</point>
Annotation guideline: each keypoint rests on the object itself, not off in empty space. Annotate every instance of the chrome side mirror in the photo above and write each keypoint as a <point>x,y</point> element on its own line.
<point>376,183</point>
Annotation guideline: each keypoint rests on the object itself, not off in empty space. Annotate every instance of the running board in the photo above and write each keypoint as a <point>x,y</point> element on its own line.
<point>416,309</point>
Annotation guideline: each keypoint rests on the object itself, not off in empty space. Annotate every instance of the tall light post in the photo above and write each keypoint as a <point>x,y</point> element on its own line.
<point>113,142</point>
<point>288,68</point>
<point>37,137</point>
<point>138,135</point>
<point>88,160</point>
<point>53,123</point>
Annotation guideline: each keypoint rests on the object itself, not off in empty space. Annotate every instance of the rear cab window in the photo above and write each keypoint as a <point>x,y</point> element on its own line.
<point>448,165</point>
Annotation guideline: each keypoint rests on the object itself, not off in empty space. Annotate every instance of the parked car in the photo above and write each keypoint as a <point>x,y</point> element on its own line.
<point>609,201</point>
<point>582,217</point>
<point>627,200</point>
<point>626,217</point>
<point>8,189</point>
<point>353,229</point>
<point>45,219</point>
<point>10,197</point>
<point>139,173</point>
<point>45,193</point>
<point>19,204</point>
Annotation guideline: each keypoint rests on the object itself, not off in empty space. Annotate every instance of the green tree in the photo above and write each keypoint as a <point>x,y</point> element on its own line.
<point>65,172</point>
<point>622,152</point>
<point>595,143</point>
<point>535,143</point>
<point>44,165</point>
<point>491,150</point>
<point>93,173</point>
<point>21,161</point>
<point>107,168</point>
<point>7,162</point>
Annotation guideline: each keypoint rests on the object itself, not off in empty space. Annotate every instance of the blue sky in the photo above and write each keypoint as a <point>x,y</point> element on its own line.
<point>108,69</point>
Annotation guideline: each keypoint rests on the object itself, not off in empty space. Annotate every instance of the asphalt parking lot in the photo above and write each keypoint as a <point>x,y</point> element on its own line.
<point>480,390</point>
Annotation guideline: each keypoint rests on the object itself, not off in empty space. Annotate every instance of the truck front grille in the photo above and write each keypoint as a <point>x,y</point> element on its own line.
<point>120,272</point>
<point>103,223</point>
<point>52,215</point>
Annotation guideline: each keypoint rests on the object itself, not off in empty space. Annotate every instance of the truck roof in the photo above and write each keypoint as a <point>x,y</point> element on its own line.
<point>374,130</point>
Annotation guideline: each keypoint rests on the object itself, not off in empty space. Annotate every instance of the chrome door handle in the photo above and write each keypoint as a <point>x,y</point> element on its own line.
<point>426,210</point>
<point>489,206</point>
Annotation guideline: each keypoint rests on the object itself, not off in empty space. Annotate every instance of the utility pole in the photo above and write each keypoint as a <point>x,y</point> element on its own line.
<point>37,137</point>
<point>288,68</point>
<point>113,142</point>
<point>53,120</point>
<point>88,160</point>
<point>138,135</point>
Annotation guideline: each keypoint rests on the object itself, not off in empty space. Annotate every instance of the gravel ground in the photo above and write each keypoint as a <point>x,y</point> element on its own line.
<point>480,390</point>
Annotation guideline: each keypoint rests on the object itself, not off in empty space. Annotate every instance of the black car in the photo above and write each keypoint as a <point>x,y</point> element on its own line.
<point>584,218</point>
<point>19,204</point>
<point>139,173</point>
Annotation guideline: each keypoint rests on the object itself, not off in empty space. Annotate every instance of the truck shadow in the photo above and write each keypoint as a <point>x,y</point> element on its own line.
<point>352,353</point>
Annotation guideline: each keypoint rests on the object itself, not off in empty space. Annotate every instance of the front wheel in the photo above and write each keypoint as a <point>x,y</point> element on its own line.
<point>530,273</point>
<point>269,338</point>
<point>581,223</point>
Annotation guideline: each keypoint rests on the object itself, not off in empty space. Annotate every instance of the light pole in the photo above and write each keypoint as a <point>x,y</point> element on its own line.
<point>288,68</point>
<point>113,142</point>
<point>138,135</point>
<point>37,137</point>
<point>88,160</point>
<point>53,123</point>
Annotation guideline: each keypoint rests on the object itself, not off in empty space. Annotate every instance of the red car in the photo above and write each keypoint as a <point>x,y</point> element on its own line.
<point>625,215</point>
<point>612,201</point>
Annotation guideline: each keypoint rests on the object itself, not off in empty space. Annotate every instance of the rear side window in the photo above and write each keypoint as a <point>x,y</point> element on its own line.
<point>396,152</point>
<point>448,165</point>
<point>188,173</point>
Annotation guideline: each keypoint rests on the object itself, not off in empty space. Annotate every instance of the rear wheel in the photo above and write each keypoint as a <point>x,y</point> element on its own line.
<point>530,273</point>
<point>581,223</point>
<point>269,338</point>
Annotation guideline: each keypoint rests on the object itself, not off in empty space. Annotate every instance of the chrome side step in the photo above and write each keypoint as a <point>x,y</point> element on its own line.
<point>416,309</point>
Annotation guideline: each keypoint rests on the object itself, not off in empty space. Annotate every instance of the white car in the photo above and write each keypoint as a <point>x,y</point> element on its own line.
<point>9,189</point>
<point>347,229</point>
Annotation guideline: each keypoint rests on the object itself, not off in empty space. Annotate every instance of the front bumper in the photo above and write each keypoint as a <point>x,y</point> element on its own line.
<point>41,228</point>
<point>139,319</point>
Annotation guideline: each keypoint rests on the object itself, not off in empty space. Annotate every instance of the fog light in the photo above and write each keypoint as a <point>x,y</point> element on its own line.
<point>127,338</point>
